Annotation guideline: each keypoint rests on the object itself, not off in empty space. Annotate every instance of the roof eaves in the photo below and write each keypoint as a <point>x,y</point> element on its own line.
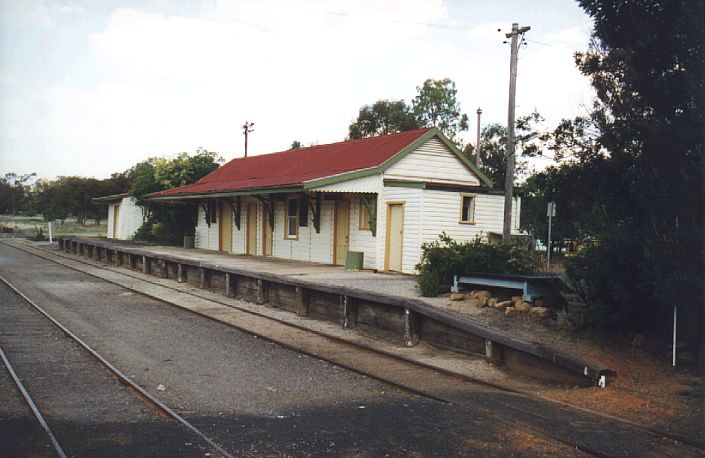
<point>232,193</point>
<point>104,199</point>
<point>346,176</point>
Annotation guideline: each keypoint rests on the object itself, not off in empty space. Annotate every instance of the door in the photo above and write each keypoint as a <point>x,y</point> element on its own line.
<point>341,232</point>
<point>252,229</point>
<point>395,237</point>
<point>116,213</point>
<point>266,233</point>
<point>226,227</point>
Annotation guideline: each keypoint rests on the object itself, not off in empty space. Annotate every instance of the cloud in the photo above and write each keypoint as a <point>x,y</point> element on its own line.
<point>36,13</point>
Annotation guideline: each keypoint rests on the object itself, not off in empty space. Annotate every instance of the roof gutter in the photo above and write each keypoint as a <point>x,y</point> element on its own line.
<point>215,194</point>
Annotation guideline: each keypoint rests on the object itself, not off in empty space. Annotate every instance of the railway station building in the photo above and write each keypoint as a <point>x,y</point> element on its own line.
<point>380,198</point>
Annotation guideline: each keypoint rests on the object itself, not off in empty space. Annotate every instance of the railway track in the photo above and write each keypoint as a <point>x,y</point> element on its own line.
<point>56,373</point>
<point>523,409</point>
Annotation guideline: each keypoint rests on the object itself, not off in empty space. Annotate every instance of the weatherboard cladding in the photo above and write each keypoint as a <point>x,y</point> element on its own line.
<point>297,166</point>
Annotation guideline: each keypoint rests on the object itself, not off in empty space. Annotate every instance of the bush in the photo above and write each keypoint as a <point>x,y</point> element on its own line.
<point>445,257</point>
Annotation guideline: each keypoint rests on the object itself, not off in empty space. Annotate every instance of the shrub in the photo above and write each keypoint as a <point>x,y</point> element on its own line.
<point>445,257</point>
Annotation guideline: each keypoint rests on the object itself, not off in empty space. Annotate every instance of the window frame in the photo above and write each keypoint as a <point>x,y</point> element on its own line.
<point>363,214</point>
<point>473,198</point>
<point>288,217</point>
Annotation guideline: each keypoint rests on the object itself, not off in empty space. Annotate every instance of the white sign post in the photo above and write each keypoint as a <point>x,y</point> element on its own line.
<point>551,212</point>
<point>51,240</point>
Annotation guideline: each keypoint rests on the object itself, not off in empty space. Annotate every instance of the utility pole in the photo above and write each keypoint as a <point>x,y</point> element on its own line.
<point>509,182</point>
<point>246,129</point>
<point>477,144</point>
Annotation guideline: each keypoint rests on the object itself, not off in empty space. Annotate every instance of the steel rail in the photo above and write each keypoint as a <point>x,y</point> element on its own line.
<point>159,405</point>
<point>32,405</point>
<point>467,378</point>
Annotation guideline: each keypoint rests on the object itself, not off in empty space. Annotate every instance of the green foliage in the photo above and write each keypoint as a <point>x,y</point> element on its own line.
<point>445,257</point>
<point>493,148</point>
<point>168,223</point>
<point>296,145</point>
<point>15,193</point>
<point>72,196</point>
<point>649,117</point>
<point>381,118</point>
<point>436,104</point>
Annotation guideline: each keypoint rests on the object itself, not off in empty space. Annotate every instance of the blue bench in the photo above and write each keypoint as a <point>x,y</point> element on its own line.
<point>540,284</point>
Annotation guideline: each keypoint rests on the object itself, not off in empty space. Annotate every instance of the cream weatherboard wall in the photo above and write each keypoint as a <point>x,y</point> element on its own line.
<point>129,219</point>
<point>432,161</point>
<point>442,214</point>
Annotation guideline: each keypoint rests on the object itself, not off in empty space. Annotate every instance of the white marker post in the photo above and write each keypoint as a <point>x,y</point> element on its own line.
<point>51,239</point>
<point>675,318</point>
<point>551,212</point>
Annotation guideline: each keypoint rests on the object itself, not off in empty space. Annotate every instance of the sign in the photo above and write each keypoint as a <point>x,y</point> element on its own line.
<point>551,212</point>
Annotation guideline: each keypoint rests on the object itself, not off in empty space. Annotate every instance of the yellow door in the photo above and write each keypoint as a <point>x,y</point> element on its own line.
<point>341,232</point>
<point>395,237</point>
<point>226,227</point>
<point>116,213</point>
<point>252,229</point>
<point>266,233</point>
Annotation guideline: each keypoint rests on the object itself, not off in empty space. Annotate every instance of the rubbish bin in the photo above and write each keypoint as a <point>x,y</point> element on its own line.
<point>189,241</point>
<point>354,260</point>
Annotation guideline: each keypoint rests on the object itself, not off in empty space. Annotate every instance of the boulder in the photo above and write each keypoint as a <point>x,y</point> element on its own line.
<point>491,302</point>
<point>503,305</point>
<point>457,296</point>
<point>517,299</point>
<point>481,295</point>
<point>540,312</point>
<point>522,306</point>
<point>511,312</point>
<point>476,303</point>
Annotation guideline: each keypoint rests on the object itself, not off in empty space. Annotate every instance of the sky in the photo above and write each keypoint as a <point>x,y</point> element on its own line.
<point>93,87</point>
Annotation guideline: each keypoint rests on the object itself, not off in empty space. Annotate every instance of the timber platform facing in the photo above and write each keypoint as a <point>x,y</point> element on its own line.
<point>405,320</point>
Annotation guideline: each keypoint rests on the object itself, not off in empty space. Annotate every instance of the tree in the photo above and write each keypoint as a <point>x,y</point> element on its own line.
<point>381,118</point>
<point>15,193</point>
<point>436,105</point>
<point>296,145</point>
<point>164,222</point>
<point>493,141</point>
<point>646,62</point>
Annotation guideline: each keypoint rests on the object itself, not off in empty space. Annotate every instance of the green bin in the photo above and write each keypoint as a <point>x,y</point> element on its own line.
<point>354,260</point>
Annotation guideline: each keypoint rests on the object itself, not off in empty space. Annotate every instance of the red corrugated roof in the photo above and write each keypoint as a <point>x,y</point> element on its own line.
<point>295,167</point>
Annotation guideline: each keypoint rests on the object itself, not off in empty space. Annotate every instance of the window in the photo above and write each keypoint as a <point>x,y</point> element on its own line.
<point>303,212</point>
<point>467,208</point>
<point>365,212</point>
<point>292,218</point>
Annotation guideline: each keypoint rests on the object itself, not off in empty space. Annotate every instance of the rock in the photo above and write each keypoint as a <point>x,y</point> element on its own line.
<point>503,305</point>
<point>522,306</point>
<point>161,387</point>
<point>517,299</point>
<point>476,303</point>
<point>479,294</point>
<point>540,312</point>
<point>511,312</point>
<point>491,302</point>
<point>457,297</point>
<point>539,303</point>
<point>639,340</point>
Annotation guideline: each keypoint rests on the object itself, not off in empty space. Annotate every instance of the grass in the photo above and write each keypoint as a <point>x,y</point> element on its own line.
<point>28,225</point>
